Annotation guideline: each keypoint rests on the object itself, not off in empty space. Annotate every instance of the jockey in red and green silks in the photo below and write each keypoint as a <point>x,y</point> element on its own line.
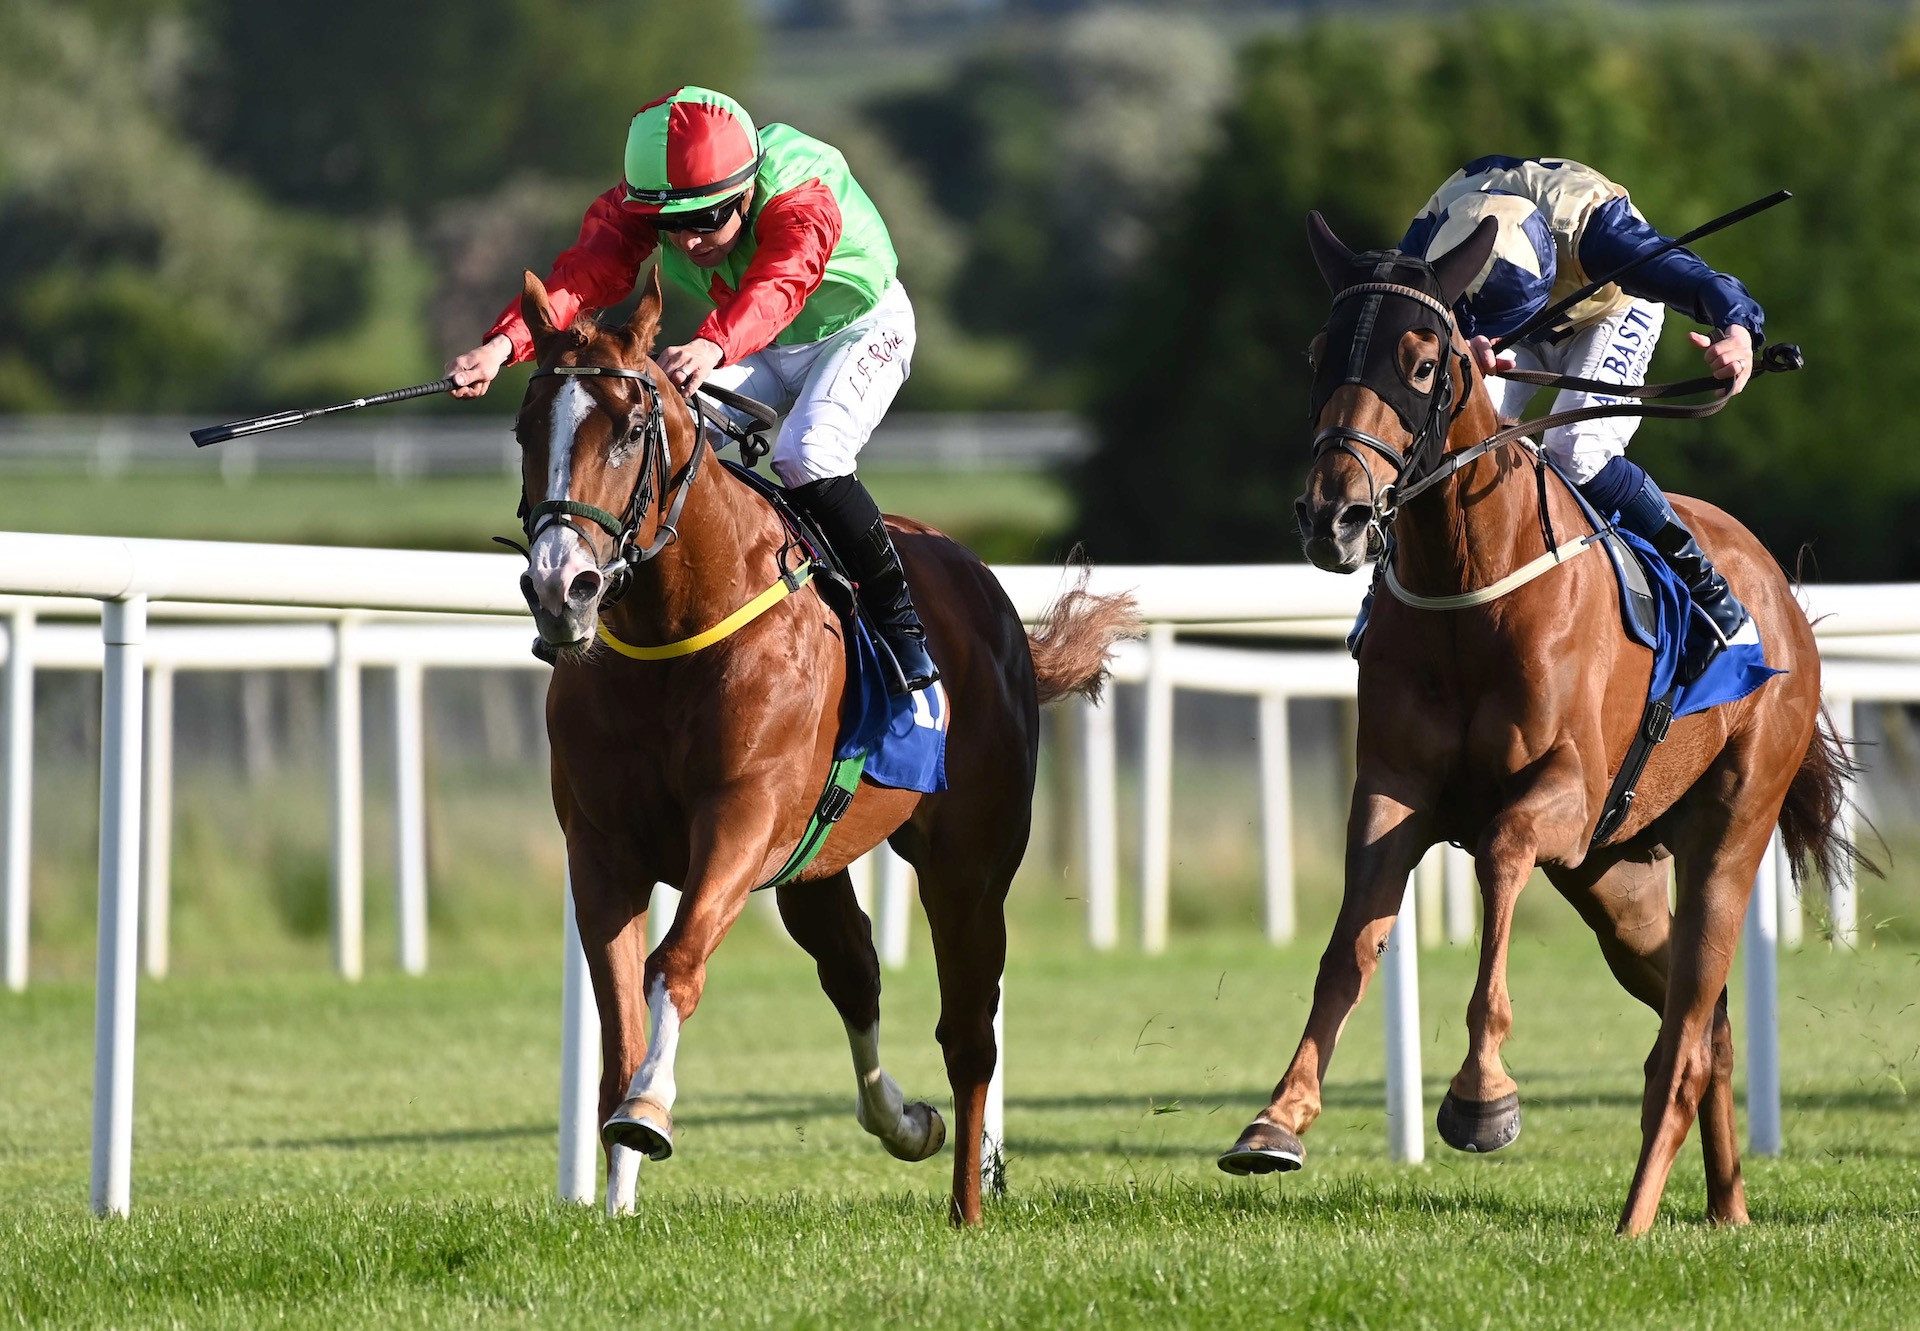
<point>769,228</point>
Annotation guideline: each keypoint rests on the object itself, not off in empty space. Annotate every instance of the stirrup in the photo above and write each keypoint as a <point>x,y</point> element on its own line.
<point>910,670</point>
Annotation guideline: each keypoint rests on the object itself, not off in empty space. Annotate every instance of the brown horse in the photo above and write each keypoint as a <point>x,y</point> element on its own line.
<point>1500,726</point>
<point>702,771</point>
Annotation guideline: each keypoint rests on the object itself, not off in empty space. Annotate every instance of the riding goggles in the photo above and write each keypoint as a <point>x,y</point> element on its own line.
<point>701,221</point>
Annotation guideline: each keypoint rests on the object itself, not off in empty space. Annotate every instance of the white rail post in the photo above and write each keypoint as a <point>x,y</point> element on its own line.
<point>123,631</point>
<point>1400,977</point>
<point>1461,891</point>
<point>1156,781</point>
<point>1276,817</point>
<point>1100,823</point>
<point>410,817</point>
<point>660,912</point>
<point>860,873</point>
<point>1843,906</point>
<point>993,1129</point>
<point>1427,888</point>
<point>1763,1011</point>
<point>157,901</point>
<point>896,907</point>
<point>1792,920</point>
<point>579,1071</point>
<point>349,888</point>
<point>17,834</point>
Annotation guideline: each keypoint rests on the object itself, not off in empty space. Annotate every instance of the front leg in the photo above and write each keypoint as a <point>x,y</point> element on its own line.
<point>729,848</point>
<point>1544,819</point>
<point>1387,834</point>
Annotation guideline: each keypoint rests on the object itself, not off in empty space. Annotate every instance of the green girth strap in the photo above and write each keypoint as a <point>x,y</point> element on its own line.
<point>842,780</point>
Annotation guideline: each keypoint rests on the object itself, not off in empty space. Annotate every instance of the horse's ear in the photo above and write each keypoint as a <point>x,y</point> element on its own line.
<point>1459,266</point>
<point>536,308</point>
<point>645,324</point>
<point>1334,258</point>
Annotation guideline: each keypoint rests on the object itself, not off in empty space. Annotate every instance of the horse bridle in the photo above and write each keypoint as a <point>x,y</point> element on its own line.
<point>1444,402</point>
<point>627,554</point>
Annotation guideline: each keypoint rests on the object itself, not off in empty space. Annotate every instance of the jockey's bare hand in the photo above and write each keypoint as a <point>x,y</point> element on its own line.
<point>690,364</point>
<point>473,371</point>
<point>1729,354</point>
<point>1489,360</point>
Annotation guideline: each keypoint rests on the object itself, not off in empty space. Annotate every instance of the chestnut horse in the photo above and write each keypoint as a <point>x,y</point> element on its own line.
<point>1500,726</point>
<point>702,770</point>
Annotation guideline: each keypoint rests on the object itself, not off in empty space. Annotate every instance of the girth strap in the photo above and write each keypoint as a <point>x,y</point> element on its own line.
<point>1653,728</point>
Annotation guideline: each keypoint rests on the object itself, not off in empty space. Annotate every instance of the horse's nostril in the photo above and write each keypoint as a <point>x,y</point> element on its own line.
<point>1355,515</point>
<point>584,587</point>
<point>530,592</point>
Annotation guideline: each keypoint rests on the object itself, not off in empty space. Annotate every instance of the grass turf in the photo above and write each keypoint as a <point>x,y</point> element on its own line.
<point>312,1153</point>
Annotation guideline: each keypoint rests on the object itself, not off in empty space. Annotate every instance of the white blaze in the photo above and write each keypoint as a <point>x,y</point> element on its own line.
<point>558,553</point>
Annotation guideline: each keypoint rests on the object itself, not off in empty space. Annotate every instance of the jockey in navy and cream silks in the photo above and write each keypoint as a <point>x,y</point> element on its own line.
<point>1561,224</point>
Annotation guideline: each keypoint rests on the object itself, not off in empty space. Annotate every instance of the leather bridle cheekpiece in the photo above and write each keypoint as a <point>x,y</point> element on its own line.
<point>1366,356</point>
<point>627,554</point>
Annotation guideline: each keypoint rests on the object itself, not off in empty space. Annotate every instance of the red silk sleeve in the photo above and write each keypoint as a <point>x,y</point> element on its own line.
<point>796,232</point>
<point>598,270</point>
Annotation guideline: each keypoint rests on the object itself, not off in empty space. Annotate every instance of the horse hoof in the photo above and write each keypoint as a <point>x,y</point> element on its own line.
<point>642,1125</point>
<point>932,1134</point>
<point>1264,1148</point>
<point>1479,1126</point>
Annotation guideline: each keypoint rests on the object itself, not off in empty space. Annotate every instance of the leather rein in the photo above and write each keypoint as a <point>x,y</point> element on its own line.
<point>1430,440</point>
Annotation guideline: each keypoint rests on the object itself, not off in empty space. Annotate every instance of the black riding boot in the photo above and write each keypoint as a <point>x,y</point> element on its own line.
<point>1648,515</point>
<point>851,522</point>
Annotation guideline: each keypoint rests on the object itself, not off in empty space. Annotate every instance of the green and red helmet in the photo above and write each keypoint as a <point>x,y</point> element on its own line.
<point>689,150</point>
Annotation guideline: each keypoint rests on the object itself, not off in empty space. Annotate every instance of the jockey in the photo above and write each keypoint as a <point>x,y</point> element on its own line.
<point>1559,223</point>
<point>770,229</point>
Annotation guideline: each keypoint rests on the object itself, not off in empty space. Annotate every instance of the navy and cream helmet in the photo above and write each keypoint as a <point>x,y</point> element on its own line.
<point>1519,277</point>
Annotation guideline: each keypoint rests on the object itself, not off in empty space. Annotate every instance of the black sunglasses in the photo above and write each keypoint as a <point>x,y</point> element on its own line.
<point>701,222</point>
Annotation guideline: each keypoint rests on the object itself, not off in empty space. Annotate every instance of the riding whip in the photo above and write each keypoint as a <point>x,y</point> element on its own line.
<point>214,434</point>
<point>1561,306</point>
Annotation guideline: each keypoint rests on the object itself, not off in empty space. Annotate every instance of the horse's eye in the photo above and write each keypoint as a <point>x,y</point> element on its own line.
<point>1426,370</point>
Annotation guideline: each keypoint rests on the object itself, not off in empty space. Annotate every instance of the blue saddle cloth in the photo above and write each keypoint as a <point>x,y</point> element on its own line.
<point>904,738</point>
<point>1660,615</point>
<point>1731,675</point>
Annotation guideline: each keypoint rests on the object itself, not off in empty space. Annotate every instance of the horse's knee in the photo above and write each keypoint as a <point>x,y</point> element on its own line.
<point>968,1048</point>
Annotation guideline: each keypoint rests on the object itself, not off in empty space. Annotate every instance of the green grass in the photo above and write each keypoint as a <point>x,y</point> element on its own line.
<point>312,1153</point>
<point>1007,515</point>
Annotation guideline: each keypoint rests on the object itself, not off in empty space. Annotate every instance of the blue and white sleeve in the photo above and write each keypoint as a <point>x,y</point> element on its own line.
<point>1616,235</point>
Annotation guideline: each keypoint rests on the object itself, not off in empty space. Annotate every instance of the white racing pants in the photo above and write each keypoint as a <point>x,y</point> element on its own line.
<point>833,392</point>
<point>1616,349</point>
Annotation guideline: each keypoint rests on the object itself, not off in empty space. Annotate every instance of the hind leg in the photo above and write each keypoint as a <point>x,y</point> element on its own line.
<point>825,918</point>
<point>1695,1046</point>
<point>965,899</point>
<point>1625,904</point>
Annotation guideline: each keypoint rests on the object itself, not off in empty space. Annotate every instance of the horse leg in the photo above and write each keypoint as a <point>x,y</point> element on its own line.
<point>1625,903</point>
<point>728,847</point>
<point>965,899</point>
<point>1481,1109</point>
<point>825,918</point>
<point>1695,1045</point>
<point>610,898</point>
<point>1386,837</point>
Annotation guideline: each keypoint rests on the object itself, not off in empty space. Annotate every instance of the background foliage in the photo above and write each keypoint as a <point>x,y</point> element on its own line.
<point>211,207</point>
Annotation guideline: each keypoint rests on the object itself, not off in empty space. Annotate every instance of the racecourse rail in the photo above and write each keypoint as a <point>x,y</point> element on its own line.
<point>259,607</point>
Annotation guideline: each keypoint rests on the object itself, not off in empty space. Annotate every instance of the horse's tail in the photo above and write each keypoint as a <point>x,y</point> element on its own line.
<point>1810,818</point>
<point>1075,639</point>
